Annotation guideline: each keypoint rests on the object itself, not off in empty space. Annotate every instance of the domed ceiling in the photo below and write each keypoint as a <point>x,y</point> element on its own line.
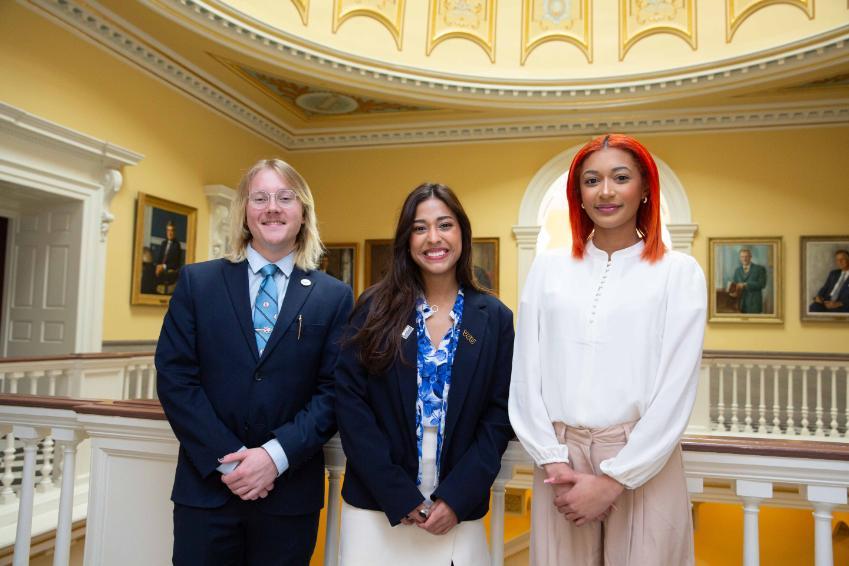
<point>311,74</point>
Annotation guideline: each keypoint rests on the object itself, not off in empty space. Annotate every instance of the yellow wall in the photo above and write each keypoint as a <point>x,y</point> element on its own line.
<point>53,74</point>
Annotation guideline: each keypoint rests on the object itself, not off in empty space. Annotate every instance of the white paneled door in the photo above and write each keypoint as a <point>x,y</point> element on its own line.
<point>44,280</point>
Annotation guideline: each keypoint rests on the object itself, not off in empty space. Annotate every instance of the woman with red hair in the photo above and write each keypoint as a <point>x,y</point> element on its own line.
<point>605,366</point>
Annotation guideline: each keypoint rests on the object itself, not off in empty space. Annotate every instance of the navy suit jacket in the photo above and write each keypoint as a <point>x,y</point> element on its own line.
<point>843,293</point>
<point>220,395</point>
<point>377,418</point>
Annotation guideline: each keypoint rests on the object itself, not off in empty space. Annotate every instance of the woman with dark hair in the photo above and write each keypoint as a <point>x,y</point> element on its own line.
<point>606,362</point>
<point>421,397</point>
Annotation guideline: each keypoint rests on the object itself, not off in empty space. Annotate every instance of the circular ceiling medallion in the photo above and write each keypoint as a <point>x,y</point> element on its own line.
<point>326,103</point>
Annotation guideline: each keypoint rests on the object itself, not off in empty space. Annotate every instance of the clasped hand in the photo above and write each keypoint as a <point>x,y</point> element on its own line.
<point>439,520</point>
<point>583,497</point>
<point>254,477</point>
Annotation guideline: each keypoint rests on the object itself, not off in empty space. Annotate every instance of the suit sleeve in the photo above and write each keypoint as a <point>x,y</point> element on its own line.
<point>825,292</point>
<point>758,282</point>
<point>469,481</point>
<point>366,446</point>
<point>196,425</point>
<point>313,425</point>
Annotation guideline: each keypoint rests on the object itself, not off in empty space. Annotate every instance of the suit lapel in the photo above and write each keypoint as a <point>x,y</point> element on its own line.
<point>299,288</point>
<point>405,373</point>
<point>472,335</point>
<point>236,279</point>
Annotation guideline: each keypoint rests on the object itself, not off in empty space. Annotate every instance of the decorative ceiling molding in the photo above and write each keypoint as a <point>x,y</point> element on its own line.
<point>303,7</point>
<point>702,120</point>
<point>390,13</point>
<point>557,20</point>
<point>641,18</point>
<point>257,39</point>
<point>121,38</point>
<point>736,12</point>
<point>462,19</point>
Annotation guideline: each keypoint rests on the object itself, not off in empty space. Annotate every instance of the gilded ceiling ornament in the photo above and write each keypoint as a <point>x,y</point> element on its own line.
<point>303,7</point>
<point>390,13</point>
<point>467,19</point>
<point>736,11</point>
<point>556,20</point>
<point>642,18</point>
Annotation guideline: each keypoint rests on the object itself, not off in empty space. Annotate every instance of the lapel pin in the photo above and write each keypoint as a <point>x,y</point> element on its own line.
<point>406,332</point>
<point>468,336</point>
<point>306,282</point>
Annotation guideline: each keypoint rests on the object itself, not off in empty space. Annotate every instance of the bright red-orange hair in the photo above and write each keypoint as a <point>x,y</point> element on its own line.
<point>648,215</point>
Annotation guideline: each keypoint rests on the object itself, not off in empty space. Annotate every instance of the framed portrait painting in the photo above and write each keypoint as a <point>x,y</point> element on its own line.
<point>164,242</point>
<point>485,262</point>
<point>340,261</point>
<point>378,257</point>
<point>745,276</point>
<point>824,281</point>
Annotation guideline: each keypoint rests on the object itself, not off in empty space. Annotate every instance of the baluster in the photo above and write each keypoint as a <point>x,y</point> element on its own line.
<point>30,437</point>
<point>2,382</point>
<point>7,495</point>
<point>748,408</point>
<point>735,424</point>
<point>720,404</point>
<point>824,498</point>
<point>833,403</point>
<point>776,407</point>
<point>128,372</point>
<point>139,382</point>
<point>752,492</point>
<point>762,399</point>
<point>151,382</point>
<point>51,381</point>
<point>790,424</point>
<point>818,431</point>
<point>34,376</point>
<point>496,523</point>
<point>334,512</point>
<point>805,431</point>
<point>67,441</point>
<point>14,378</point>
<point>46,482</point>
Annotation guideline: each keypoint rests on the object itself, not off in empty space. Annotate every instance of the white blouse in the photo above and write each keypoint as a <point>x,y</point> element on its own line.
<point>605,341</point>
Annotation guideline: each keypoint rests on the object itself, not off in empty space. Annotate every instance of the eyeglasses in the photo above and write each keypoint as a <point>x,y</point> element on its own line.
<point>261,199</point>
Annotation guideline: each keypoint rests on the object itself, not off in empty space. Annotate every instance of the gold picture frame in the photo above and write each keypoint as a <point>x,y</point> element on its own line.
<point>746,292</point>
<point>341,261</point>
<point>818,255</point>
<point>164,242</point>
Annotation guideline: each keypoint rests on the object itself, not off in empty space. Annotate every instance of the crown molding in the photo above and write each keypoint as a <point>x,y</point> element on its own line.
<point>121,38</point>
<point>243,33</point>
<point>124,40</point>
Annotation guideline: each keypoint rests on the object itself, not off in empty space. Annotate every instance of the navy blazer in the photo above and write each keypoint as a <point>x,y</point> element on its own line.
<point>377,418</point>
<point>842,294</point>
<point>220,395</point>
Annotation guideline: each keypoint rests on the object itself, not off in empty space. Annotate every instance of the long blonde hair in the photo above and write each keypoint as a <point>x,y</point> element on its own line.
<point>308,246</point>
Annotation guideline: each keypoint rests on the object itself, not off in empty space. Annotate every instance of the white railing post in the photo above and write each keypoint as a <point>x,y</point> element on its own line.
<point>790,421</point>
<point>66,440</point>
<point>30,436</point>
<point>7,495</point>
<point>824,498</point>
<point>720,401</point>
<point>496,523</point>
<point>748,407</point>
<point>762,400</point>
<point>752,492</point>
<point>806,430</point>
<point>735,421</point>
<point>833,404</point>
<point>776,407</point>
<point>334,512</point>
<point>46,482</point>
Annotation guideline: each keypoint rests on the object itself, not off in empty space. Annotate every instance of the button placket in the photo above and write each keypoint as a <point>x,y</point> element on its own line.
<point>599,290</point>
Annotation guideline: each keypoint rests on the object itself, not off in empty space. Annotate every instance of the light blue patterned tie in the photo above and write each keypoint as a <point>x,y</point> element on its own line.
<point>265,309</point>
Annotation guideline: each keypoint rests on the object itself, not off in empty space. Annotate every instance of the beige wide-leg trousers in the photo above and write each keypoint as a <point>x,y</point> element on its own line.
<point>650,526</point>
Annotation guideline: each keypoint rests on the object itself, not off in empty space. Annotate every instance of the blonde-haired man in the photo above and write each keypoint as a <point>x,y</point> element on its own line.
<point>245,374</point>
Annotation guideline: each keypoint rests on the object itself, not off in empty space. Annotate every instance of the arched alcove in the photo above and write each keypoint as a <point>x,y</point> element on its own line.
<point>540,193</point>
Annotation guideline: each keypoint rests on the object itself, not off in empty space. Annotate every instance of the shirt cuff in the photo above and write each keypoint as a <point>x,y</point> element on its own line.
<point>552,454</point>
<point>230,466</point>
<point>277,454</point>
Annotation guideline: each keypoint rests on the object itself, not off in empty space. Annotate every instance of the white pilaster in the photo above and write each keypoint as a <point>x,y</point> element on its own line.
<point>526,243</point>
<point>824,498</point>
<point>219,197</point>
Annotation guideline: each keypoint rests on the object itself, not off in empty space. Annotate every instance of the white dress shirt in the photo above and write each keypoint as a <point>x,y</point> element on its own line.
<point>603,341</point>
<point>281,279</point>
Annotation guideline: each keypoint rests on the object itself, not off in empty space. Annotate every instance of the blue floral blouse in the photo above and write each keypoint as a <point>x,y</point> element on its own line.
<point>433,377</point>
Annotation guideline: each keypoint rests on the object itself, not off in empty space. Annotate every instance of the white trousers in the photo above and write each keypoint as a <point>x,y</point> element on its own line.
<point>367,539</point>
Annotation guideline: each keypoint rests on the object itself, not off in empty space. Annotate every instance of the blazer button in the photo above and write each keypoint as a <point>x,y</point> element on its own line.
<point>257,376</point>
